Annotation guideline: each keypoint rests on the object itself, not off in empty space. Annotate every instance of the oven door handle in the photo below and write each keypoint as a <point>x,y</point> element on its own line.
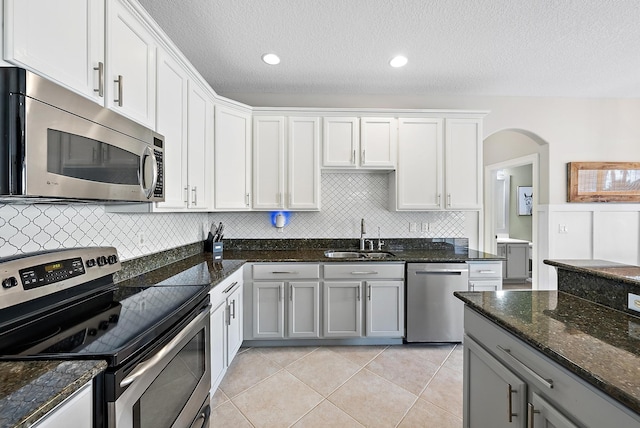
<point>143,367</point>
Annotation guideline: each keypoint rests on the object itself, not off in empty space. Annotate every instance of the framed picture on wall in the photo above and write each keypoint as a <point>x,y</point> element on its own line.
<point>525,200</point>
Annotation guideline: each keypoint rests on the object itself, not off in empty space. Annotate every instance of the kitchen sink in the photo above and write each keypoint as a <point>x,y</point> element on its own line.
<point>333,254</point>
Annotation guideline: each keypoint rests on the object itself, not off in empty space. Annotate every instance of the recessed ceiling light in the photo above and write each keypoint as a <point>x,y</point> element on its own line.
<point>398,61</point>
<point>271,59</point>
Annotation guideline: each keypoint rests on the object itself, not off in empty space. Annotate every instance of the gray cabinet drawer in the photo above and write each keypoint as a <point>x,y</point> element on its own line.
<point>364,271</point>
<point>485,270</point>
<point>286,270</point>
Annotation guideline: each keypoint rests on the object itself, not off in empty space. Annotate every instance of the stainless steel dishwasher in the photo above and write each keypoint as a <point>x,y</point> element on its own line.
<point>433,313</point>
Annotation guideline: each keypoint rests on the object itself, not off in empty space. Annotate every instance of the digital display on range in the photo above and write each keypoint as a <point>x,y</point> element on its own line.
<point>53,267</point>
<point>38,276</point>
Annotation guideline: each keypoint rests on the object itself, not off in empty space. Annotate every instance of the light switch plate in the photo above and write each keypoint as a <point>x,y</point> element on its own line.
<point>634,302</point>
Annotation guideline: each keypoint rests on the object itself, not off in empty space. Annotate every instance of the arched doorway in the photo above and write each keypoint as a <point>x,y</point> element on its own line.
<point>513,150</point>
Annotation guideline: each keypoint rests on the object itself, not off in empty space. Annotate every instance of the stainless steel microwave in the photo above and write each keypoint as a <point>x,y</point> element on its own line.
<point>57,145</point>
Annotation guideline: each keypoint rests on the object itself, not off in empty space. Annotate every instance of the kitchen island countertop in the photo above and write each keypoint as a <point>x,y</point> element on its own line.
<point>590,340</point>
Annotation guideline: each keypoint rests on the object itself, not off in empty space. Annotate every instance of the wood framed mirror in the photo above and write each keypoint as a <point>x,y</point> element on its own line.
<point>603,182</point>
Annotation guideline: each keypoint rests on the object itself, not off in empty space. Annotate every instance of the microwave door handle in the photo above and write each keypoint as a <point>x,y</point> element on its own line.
<point>148,152</point>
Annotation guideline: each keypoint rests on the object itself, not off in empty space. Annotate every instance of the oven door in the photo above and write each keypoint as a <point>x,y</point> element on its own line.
<point>170,388</point>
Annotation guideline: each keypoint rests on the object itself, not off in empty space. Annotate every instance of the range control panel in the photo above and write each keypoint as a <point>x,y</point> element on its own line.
<point>29,276</point>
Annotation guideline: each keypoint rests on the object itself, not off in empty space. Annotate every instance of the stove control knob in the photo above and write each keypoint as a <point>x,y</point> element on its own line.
<point>102,260</point>
<point>114,318</point>
<point>92,332</point>
<point>103,325</point>
<point>9,282</point>
<point>91,263</point>
<point>112,259</point>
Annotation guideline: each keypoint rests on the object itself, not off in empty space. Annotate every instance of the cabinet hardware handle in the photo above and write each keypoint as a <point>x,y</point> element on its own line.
<point>280,292</point>
<point>449,200</point>
<point>284,272</point>
<point>511,391</point>
<point>363,158</point>
<point>368,291</point>
<point>230,287</point>
<point>233,306</point>
<point>194,194</point>
<point>358,293</point>
<point>291,292</point>
<point>353,157</point>
<point>532,411</point>
<point>186,194</point>
<point>228,315</point>
<point>546,382</point>
<point>119,82</point>
<point>439,198</point>
<point>486,271</point>
<point>246,199</point>
<point>364,273</point>
<point>100,70</point>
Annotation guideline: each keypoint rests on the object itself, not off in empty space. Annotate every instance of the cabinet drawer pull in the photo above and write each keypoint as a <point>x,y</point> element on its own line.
<point>448,200</point>
<point>353,157</point>
<point>119,82</point>
<point>100,70</point>
<point>368,291</point>
<point>531,412</point>
<point>487,271</point>
<point>291,292</point>
<point>194,194</point>
<point>364,273</point>
<point>230,287</point>
<point>233,306</point>
<point>546,382</point>
<point>186,194</point>
<point>284,272</point>
<point>510,392</point>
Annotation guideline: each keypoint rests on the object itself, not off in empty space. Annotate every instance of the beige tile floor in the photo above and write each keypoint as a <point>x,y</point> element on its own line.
<point>351,386</point>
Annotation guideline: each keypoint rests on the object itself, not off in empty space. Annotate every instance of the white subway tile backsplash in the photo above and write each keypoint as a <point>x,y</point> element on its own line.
<point>346,198</point>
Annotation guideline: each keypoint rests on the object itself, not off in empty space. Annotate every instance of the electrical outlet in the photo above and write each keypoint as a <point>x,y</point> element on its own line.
<point>562,228</point>
<point>142,240</point>
<point>425,227</point>
<point>413,227</point>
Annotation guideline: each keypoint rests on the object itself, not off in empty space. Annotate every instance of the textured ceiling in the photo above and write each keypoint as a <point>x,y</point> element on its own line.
<point>573,48</point>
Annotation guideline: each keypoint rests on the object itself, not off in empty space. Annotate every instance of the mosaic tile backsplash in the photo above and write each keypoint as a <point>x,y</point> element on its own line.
<point>346,198</point>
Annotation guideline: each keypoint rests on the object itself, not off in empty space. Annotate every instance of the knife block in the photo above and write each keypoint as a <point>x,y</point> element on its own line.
<point>217,251</point>
<point>208,244</point>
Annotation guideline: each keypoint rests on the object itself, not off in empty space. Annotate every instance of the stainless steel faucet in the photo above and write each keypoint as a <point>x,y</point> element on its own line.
<point>380,242</point>
<point>363,231</point>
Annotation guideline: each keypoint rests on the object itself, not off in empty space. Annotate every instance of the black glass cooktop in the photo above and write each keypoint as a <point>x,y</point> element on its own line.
<point>111,325</point>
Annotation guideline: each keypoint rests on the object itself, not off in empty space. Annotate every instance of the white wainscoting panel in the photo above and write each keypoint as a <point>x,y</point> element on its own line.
<point>615,236</point>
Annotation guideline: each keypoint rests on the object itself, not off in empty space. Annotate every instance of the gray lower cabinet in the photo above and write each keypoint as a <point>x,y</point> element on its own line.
<point>268,310</point>
<point>384,308</point>
<point>508,383</point>
<point>342,308</point>
<point>77,408</point>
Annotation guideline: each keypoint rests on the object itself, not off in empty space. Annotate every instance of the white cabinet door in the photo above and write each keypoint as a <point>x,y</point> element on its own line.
<point>77,408</point>
<point>545,415</point>
<point>131,68</point>
<point>342,309</point>
<point>171,122</point>
<point>268,310</point>
<point>218,343</point>
<point>62,40</point>
<point>268,162</point>
<point>340,142</point>
<point>234,322</point>
<point>385,308</point>
<point>232,160</point>
<point>463,163</point>
<point>199,147</point>
<point>489,285</point>
<point>303,171</point>
<point>502,252</point>
<point>304,309</point>
<point>419,177</point>
<point>493,395</point>
<point>378,142</point>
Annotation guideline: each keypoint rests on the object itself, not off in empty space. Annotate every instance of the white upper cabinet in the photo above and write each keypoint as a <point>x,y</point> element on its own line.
<point>463,168</point>
<point>286,165</point>
<point>419,175</point>
<point>130,66</point>
<point>62,40</point>
<point>232,160</point>
<point>200,147</point>
<point>439,165</point>
<point>351,142</point>
<point>378,142</point>
<point>340,142</point>
<point>171,118</point>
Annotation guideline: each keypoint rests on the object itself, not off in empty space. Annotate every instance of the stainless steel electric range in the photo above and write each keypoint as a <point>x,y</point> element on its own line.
<point>63,304</point>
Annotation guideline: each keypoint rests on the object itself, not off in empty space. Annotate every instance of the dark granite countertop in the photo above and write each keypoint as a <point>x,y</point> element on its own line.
<point>601,268</point>
<point>317,255</point>
<point>590,340</point>
<point>30,389</point>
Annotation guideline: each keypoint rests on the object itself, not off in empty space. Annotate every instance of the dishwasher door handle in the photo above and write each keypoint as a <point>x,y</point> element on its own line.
<point>441,272</point>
